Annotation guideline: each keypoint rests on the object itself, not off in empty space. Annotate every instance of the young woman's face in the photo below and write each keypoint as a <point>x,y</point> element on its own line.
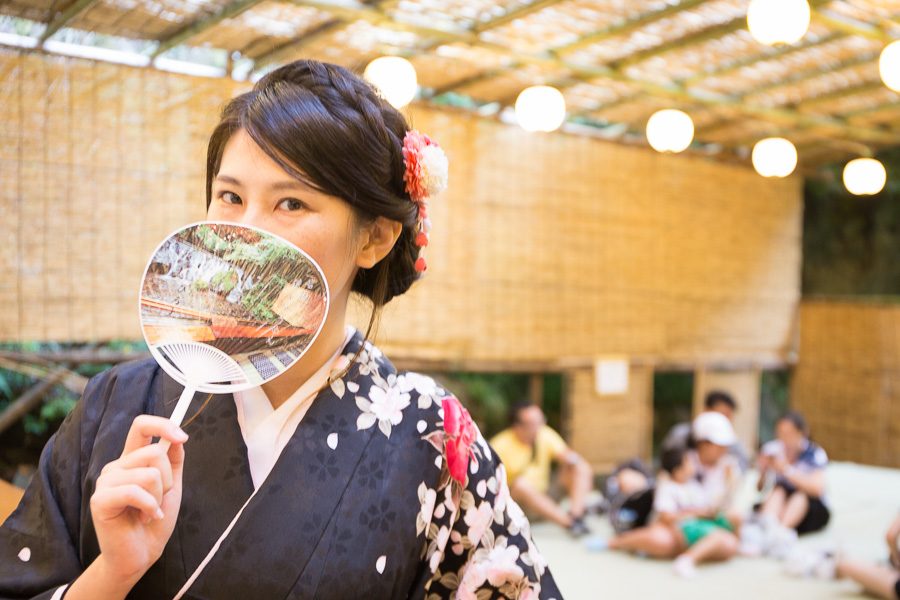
<point>790,436</point>
<point>252,189</point>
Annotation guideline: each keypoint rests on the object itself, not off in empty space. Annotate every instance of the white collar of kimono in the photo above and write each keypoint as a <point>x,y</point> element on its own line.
<point>267,430</point>
<point>283,421</point>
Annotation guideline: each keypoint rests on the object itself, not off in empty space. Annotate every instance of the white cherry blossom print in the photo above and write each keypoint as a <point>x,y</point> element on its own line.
<point>384,406</point>
<point>427,498</point>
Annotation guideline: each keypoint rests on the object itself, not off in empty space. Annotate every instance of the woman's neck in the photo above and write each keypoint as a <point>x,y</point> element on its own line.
<point>331,338</point>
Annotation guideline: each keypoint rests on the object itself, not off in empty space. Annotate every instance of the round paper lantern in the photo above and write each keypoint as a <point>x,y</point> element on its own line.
<point>864,176</point>
<point>395,78</point>
<point>778,21</point>
<point>774,157</point>
<point>890,66</point>
<point>670,130</point>
<point>540,108</point>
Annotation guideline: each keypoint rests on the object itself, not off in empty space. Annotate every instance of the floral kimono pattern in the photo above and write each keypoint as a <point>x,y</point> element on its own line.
<point>386,486</point>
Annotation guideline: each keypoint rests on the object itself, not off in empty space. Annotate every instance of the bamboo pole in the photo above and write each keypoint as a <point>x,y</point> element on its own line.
<point>199,26</point>
<point>75,9</point>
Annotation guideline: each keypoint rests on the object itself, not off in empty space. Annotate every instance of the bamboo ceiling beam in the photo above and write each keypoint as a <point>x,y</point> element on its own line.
<point>620,101</point>
<point>841,93</point>
<point>79,7</point>
<point>810,74</point>
<point>516,13</point>
<point>852,26</point>
<point>704,35</point>
<point>780,52</point>
<point>586,72</point>
<point>794,80</point>
<point>200,25</point>
<point>317,33</point>
<point>623,28</point>
<point>627,26</point>
<point>474,79</point>
<point>864,112</point>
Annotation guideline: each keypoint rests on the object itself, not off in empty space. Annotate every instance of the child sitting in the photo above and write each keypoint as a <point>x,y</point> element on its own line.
<point>680,503</point>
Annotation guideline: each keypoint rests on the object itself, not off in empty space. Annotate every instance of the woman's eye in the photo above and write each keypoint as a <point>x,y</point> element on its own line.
<point>230,198</point>
<point>291,204</point>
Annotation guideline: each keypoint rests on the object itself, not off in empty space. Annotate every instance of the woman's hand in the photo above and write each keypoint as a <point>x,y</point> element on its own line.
<point>137,497</point>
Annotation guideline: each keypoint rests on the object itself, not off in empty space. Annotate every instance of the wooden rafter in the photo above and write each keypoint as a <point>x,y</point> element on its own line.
<point>517,13</point>
<point>852,27</point>
<point>588,72</point>
<point>291,47</point>
<point>743,63</point>
<point>704,35</point>
<point>864,112</point>
<point>627,26</point>
<point>620,101</point>
<point>199,26</point>
<point>474,79</point>
<point>811,74</point>
<point>75,9</point>
<point>844,92</point>
<point>623,28</point>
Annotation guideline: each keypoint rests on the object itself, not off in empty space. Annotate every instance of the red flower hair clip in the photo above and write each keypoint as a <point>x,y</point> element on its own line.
<point>425,176</point>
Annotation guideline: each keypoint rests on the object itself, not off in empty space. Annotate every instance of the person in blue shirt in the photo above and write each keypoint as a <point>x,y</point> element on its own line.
<point>795,467</point>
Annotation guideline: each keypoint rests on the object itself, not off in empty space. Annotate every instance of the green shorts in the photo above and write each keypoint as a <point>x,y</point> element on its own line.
<point>695,530</point>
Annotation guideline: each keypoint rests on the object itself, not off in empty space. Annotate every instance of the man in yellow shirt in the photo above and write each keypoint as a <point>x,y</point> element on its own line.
<point>527,448</point>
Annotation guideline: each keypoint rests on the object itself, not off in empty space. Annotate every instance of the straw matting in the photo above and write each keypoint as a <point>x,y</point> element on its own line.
<point>545,247</point>
<point>847,381</point>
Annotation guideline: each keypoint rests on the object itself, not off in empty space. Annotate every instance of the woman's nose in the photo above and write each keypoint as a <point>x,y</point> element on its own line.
<point>253,216</point>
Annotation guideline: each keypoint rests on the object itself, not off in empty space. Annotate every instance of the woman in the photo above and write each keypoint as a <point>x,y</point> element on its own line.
<point>384,489</point>
<point>797,467</point>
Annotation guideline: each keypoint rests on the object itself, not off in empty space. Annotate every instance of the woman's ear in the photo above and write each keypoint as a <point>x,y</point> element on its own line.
<point>378,237</point>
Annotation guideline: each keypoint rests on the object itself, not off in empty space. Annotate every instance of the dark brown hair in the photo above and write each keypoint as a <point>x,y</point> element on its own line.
<point>330,129</point>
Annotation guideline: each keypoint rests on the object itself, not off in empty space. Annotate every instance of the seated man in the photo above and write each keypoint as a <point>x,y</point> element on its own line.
<point>527,448</point>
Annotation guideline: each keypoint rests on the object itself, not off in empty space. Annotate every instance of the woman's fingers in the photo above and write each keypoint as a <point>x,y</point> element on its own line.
<point>148,456</point>
<point>146,427</point>
<point>109,502</point>
<point>148,478</point>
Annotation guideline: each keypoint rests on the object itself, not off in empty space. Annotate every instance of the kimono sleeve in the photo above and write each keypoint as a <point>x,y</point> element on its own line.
<point>38,542</point>
<point>479,540</point>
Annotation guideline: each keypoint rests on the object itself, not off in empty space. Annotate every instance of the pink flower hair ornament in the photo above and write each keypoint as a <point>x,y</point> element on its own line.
<point>426,174</point>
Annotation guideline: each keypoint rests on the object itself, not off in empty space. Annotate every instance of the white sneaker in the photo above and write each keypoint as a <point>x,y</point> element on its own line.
<point>819,564</point>
<point>826,567</point>
<point>800,563</point>
<point>684,567</point>
<point>753,540</point>
<point>780,542</point>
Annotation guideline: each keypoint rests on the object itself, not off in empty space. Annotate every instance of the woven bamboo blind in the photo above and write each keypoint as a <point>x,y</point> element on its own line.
<point>545,246</point>
<point>847,381</point>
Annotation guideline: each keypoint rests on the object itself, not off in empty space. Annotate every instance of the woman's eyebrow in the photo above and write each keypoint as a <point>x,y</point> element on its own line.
<point>287,184</point>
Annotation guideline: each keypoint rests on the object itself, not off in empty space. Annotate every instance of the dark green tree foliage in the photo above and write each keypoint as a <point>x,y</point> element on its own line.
<point>851,244</point>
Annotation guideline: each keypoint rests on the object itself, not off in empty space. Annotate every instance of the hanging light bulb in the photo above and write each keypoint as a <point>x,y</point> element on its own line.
<point>774,157</point>
<point>889,65</point>
<point>778,21</point>
<point>540,108</point>
<point>670,130</point>
<point>864,177</point>
<point>395,79</point>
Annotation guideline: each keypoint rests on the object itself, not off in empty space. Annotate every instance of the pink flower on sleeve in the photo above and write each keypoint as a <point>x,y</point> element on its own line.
<point>460,433</point>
